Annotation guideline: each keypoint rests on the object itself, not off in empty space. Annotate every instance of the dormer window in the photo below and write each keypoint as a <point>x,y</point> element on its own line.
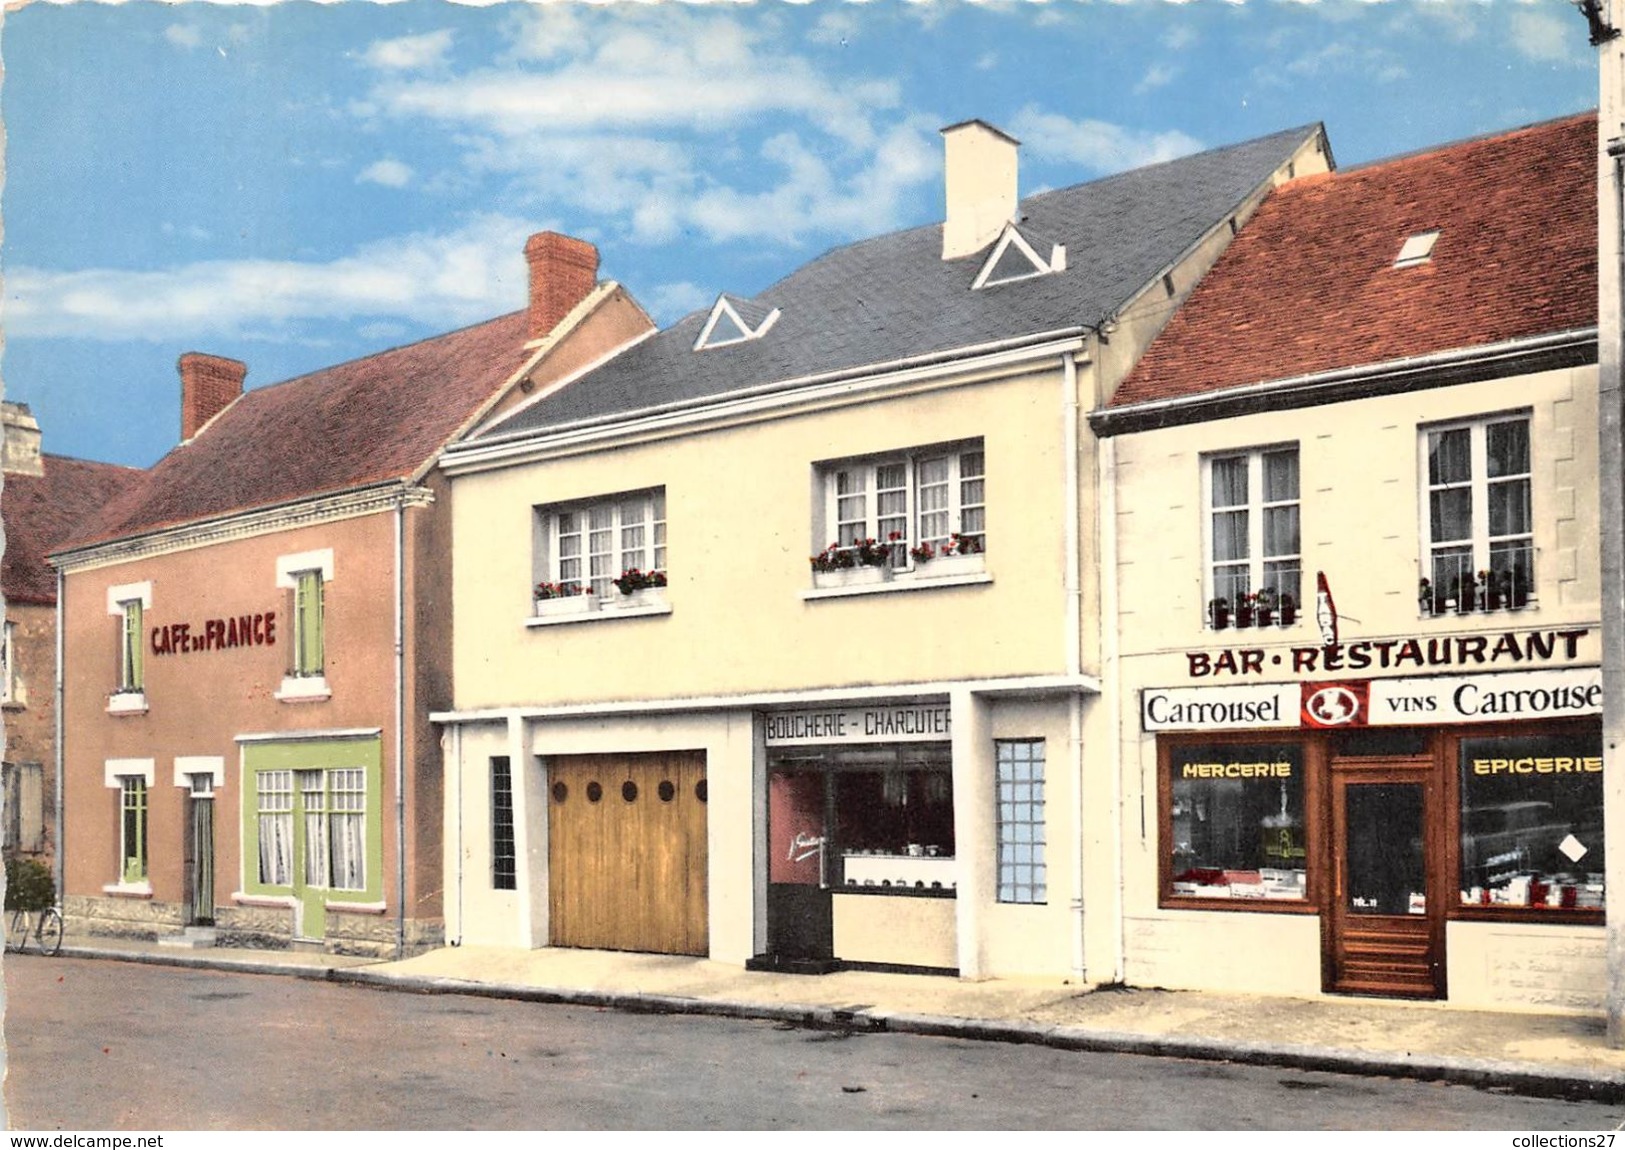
<point>1015,258</point>
<point>735,321</point>
<point>1418,249</point>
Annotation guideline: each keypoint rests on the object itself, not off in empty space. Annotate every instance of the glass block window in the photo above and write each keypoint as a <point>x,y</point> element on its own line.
<point>1022,877</point>
<point>504,872</point>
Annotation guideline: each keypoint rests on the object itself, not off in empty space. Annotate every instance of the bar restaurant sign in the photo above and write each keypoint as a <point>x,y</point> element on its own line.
<point>1375,702</point>
<point>920,723</point>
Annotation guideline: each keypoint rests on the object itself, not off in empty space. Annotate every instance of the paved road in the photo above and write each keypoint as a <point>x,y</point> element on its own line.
<point>109,1045</point>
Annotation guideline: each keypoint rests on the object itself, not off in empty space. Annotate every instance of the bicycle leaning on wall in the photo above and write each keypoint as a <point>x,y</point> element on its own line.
<point>31,910</point>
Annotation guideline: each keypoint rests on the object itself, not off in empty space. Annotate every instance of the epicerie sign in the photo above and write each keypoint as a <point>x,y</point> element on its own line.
<point>1375,702</point>
<point>908,724</point>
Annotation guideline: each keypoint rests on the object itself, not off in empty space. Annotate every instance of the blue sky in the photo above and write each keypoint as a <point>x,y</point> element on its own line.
<point>295,185</point>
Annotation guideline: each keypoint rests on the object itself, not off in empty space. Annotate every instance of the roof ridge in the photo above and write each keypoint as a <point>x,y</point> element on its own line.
<point>61,458</point>
<point>380,353</point>
<point>1464,142</point>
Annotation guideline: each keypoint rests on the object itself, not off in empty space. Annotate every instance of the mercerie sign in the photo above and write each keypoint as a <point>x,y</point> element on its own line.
<point>257,630</point>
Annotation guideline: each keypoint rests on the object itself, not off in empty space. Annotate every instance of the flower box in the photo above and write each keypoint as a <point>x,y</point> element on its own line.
<point>862,576</point>
<point>566,605</point>
<point>946,566</point>
<point>632,601</point>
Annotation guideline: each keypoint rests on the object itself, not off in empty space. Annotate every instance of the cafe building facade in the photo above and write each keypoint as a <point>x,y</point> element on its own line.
<point>1353,555</point>
<point>255,633</point>
<point>777,635</point>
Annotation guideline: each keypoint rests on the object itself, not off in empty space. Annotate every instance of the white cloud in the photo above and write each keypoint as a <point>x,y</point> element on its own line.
<point>409,53</point>
<point>668,303</point>
<point>190,231</point>
<point>1180,37</point>
<point>183,36</point>
<point>640,77</point>
<point>1157,76</point>
<point>1097,145</point>
<point>457,277</point>
<point>836,26</point>
<point>1543,36</point>
<point>811,197</point>
<point>645,120</point>
<point>1369,61</point>
<point>389,173</point>
<point>987,61</point>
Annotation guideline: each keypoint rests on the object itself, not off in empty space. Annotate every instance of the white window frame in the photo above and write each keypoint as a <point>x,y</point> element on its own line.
<point>1255,507</point>
<point>1479,483</point>
<point>874,525</point>
<point>129,602</point>
<point>115,773</point>
<point>647,555</point>
<point>304,684</point>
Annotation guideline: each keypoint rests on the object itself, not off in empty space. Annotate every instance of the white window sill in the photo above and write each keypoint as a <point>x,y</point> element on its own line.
<point>266,900</point>
<point>304,689</point>
<point>1532,604</point>
<point>356,908</point>
<point>901,582</point>
<point>128,889</point>
<point>599,615</point>
<point>1251,628</point>
<point>127,703</point>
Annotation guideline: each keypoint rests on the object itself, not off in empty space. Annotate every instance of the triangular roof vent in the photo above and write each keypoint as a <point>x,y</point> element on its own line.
<point>735,321</point>
<point>1015,258</point>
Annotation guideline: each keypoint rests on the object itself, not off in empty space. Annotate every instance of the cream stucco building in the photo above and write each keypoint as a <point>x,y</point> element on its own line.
<point>1352,537</point>
<point>672,732</point>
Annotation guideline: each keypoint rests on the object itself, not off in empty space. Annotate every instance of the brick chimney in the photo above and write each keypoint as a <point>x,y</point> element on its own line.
<point>980,170</point>
<point>21,447</point>
<point>563,270</point>
<point>209,384</point>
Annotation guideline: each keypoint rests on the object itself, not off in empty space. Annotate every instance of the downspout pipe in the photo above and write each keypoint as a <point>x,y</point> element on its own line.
<point>400,729</point>
<point>1072,425</point>
<point>59,692</point>
<point>1611,534</point>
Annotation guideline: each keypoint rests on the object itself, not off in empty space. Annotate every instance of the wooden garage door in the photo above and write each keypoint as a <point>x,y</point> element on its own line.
<point>627,853</point>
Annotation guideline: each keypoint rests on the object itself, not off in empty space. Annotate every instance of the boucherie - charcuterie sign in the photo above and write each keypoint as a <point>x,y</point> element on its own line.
<point>1375,702</point>
<point>256,630</point>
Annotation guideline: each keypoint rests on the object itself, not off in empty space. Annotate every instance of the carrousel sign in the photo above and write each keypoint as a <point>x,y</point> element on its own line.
<point>1551,694</point>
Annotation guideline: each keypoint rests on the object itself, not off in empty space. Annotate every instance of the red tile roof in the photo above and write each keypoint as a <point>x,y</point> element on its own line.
<point>1309,285</point>
<point>40,511</point>
<point>371,420</point>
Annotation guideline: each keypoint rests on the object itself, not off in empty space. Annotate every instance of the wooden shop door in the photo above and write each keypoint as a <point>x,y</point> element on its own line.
<point>627,852</point>
<point>1385,929</point>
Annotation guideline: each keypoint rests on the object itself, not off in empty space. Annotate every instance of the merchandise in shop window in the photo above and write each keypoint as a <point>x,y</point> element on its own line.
<point>1531,823</point>
<point>1237,821</point>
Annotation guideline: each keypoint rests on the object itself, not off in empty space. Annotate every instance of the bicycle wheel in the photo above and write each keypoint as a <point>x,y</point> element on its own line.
<point>49,931</point>
<point>17,930</point>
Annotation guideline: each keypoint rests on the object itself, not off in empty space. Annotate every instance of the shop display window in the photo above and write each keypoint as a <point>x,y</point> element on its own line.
<point>1236,820</point>
<point>1531,822</point>
<point>890,822</point>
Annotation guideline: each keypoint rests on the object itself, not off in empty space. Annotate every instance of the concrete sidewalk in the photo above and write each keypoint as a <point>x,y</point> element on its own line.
<point>1539,1054</point>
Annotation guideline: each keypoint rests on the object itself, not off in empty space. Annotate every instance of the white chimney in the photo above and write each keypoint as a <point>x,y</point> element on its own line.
<point>21,449</point>
<point>980,166</point>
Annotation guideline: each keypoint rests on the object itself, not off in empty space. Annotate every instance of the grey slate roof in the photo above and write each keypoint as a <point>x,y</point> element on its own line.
<point>894,297</point>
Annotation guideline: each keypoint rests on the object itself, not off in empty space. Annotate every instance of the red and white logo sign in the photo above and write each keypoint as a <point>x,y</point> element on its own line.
<point>1335,704</point>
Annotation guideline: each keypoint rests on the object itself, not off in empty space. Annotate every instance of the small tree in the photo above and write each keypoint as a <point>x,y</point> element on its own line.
<point>29,885</point>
